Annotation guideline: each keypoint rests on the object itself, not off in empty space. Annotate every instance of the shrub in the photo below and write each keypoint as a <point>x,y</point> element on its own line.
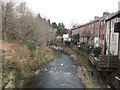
<point>105,45</point>
<point>74,42</point>
<point>97,51</point>
<point>39,44</point>
<point>31,46</point>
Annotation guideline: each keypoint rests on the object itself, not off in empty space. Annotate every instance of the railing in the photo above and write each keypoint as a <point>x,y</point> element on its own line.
<point>104,63</point>
<point>107,63</point>
<point>93,60</point>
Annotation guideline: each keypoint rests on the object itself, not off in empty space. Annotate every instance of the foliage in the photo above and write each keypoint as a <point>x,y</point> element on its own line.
<point>60,28</point>
<point>74,42</point>
<point>20,24</point>
<point>97,51</point>
<point>31,46</point>
<point>26,31</point>
<point>54,25</point>
<point>105,45</point>
<point>76,36</point>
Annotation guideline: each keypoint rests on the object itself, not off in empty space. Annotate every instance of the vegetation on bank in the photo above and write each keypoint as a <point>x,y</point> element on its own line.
<point>19,62</point>
<point>60,28</point>
<point>24,43</point>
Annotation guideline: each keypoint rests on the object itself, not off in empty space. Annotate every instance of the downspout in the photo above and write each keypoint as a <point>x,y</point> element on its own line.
<point>93,33</point>
<point>119,47</point>
<point>105,38</point>
<point>109,38</point>
<point>99,33</point>
<point>109,44</point>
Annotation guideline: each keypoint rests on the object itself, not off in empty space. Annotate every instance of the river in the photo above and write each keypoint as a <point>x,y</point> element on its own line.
<point>60,73</point>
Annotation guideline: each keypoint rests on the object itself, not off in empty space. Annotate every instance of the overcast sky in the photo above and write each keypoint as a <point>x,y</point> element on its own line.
<point>72,11</point>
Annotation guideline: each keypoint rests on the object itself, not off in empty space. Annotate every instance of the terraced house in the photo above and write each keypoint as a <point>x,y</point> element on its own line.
<point>93,32</point>
<point>112,38</point>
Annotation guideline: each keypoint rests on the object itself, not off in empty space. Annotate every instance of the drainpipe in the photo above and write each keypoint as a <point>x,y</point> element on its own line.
<point>109,38</point>
<point>93,33</point>
<point>105,37</point>
<point>119,47</point>
<point>118,44</point>
<point>99,33</point>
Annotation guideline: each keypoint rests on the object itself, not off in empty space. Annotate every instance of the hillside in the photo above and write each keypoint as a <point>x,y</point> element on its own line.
<point>17,63</point>
<point>25,37</point>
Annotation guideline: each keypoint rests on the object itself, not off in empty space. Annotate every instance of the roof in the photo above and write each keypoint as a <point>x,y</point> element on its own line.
<point>101,18</point>
<point>117,14</point>
<point>85,24</point>
<point>107,17</point>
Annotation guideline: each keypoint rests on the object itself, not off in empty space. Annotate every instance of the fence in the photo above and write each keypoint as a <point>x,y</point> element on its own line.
<point>105,62</point>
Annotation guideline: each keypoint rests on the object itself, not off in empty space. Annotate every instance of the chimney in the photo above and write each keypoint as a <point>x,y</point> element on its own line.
<point>105,13</point>
<point>96,17</point>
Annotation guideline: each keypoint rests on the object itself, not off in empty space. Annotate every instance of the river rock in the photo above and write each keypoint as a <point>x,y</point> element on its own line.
<point>74,57</point>
<point>45,69</point>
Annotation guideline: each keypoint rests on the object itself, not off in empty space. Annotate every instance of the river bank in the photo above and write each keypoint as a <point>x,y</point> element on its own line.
<point>89,76</point>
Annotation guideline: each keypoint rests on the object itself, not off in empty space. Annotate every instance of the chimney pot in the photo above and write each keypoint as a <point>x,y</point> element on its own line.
<point>96,17</point>
<point>105,13</point>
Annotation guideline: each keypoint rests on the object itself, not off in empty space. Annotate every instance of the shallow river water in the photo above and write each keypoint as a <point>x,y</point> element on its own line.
<point>60,73</point>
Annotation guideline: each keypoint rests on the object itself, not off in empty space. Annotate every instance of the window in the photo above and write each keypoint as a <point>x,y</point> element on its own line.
<point>92,25</point>
<point>107,25</point>
<point>101,23</point>
<point>107,36</point>
<point>113,52</point>
<point>100,41</point>
<point>112,23</point>
<point>97,24</point>
<point>96,41</point>
<point>101,32</point>
<point>103,42</point>
<point>92,32</point>
<point>104,21</point>
<point>112,37</point>
<point>116,20</point>
<point>96,31</point>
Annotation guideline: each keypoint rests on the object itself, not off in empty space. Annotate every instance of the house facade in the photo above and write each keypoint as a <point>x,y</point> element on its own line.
<point>102,29</point>
<point>99,32</point>
<point>112,38</point>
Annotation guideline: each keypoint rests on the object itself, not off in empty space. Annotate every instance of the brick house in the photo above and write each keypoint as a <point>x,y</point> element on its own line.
<point>96,32</point>
<point>102,30</point>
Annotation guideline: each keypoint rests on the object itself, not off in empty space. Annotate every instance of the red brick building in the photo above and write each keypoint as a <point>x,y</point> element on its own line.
<point>93,32</point>
<point>102,30</point>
